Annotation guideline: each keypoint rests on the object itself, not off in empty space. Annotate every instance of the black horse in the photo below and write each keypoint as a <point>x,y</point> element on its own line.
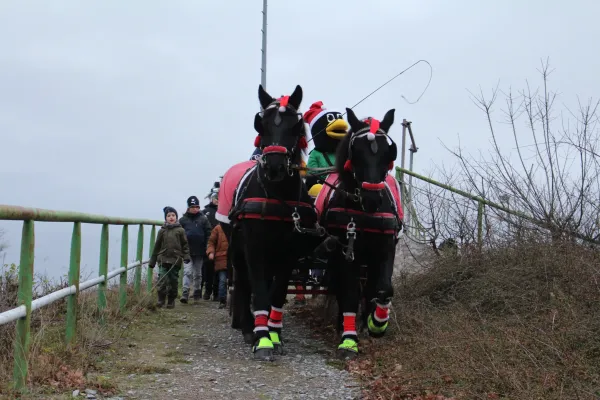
<point>271,208</point>
<point>363,213</point>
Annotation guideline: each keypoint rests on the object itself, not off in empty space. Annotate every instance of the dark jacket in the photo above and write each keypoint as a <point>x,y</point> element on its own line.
<point>209,211</point>
<point>171,246</point>
<point>197,229</point>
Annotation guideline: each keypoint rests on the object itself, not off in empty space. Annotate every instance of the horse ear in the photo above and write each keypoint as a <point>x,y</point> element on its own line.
<point>296,97</point>
<point>388,120</point>
<point>258,127</point>
<point>355,124</point>
<point>393,151</point>
<point>264,97</point>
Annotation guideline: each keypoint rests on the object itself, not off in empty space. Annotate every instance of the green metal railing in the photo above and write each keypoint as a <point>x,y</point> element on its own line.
<point>481,204</point>
<point>22,314</point>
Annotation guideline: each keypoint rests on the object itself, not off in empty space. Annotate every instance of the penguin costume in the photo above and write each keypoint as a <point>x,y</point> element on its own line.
<point>327,128</point>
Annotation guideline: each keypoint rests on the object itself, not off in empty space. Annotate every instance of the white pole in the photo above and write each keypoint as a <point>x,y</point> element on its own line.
<point>20,312</point>
<point>263,68</point>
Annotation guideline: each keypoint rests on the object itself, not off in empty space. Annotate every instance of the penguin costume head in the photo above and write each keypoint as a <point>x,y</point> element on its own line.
<point>327,127</point>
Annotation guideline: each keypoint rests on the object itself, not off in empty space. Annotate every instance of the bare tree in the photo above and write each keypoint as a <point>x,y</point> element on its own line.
<point>439,214</point>
<point>554,174</point>
<point>552,177</point>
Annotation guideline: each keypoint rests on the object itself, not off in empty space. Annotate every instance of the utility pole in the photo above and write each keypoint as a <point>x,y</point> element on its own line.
<point>413,149</point>
<point>407,187</point>
<point>263,68</point>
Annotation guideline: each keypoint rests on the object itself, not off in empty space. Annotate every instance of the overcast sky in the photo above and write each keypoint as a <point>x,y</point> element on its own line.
<point>123,107</point>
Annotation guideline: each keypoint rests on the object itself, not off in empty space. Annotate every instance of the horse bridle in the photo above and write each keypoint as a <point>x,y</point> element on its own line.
<point>372,131</point>
<point>282,104</point>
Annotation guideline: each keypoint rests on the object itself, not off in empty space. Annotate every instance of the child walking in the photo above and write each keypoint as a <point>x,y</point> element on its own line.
<point>170,249</point>
<point>217,252</point>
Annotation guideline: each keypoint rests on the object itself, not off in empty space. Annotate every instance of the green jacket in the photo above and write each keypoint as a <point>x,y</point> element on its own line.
<point>316,159</point>
<point>171,246</point>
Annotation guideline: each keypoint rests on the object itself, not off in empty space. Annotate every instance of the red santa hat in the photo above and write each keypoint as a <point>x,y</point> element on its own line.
<point>315,112</point>
<point>373,127</point>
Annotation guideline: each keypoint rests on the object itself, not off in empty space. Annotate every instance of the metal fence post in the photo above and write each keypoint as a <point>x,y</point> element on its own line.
<point>150,271</point>
<point>103,271</point>
<point>403,157</point>
<point>139,257</point>
<point>123,280</point>
<point>74,270</point>
<point>24,297</point>
<point>181,272</point>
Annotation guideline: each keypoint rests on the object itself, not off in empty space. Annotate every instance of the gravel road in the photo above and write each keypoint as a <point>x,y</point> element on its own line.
<point>208,360</point>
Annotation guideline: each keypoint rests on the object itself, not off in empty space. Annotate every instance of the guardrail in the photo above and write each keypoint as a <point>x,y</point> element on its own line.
<point>22,314</point>
<point>481,204</point>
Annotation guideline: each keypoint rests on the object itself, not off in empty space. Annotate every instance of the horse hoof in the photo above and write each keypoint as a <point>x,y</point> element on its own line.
<point>345,354</point>
<point>376,330</point>
<point>376,335</point>
<point>263,355</point>
<point>278,349</point>
<point>248,338</point>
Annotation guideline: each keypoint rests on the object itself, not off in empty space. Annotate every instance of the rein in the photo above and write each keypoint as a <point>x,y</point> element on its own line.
<point>318,231</point>
<point>351,228</point>
<point>327,170</point>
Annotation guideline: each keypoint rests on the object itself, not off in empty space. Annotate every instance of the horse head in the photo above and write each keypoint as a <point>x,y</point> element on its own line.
<point>281,134</point>
<point>365,156</point>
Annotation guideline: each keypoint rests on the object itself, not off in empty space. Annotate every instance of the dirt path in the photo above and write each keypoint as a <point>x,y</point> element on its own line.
<point>192,353</point>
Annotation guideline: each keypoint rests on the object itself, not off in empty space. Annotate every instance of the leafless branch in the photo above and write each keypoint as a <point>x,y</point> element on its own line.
<point>555,181</point>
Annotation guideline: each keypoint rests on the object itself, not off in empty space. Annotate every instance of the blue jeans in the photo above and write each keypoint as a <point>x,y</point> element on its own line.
<point>222,285</point>
<point>192,272</point>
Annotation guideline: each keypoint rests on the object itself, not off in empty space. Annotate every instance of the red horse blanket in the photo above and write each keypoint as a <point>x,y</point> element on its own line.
<point>231,180</point>
<point>327,193</point>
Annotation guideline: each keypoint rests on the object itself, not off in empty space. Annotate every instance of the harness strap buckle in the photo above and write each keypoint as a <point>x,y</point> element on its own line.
<point>351,229</point>
<point>296,219</point>
<point>296,216</point>
<point>320,230</point>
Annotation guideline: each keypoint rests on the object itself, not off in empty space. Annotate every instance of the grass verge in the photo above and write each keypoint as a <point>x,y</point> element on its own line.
<point>519,322</point>
<point>55,368</point>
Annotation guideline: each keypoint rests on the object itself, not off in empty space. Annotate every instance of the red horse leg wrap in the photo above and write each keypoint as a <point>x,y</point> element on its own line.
<point>276,318</point>
<point>382,312</point>
<point>299,296</point>
<point>349,324</point>
<point>260,320</point>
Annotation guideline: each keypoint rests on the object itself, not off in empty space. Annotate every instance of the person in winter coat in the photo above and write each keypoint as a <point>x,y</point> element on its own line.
<point>217,252</point>
<point>210,280</point>
<point>197,229</point>
<point>170,249</point>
